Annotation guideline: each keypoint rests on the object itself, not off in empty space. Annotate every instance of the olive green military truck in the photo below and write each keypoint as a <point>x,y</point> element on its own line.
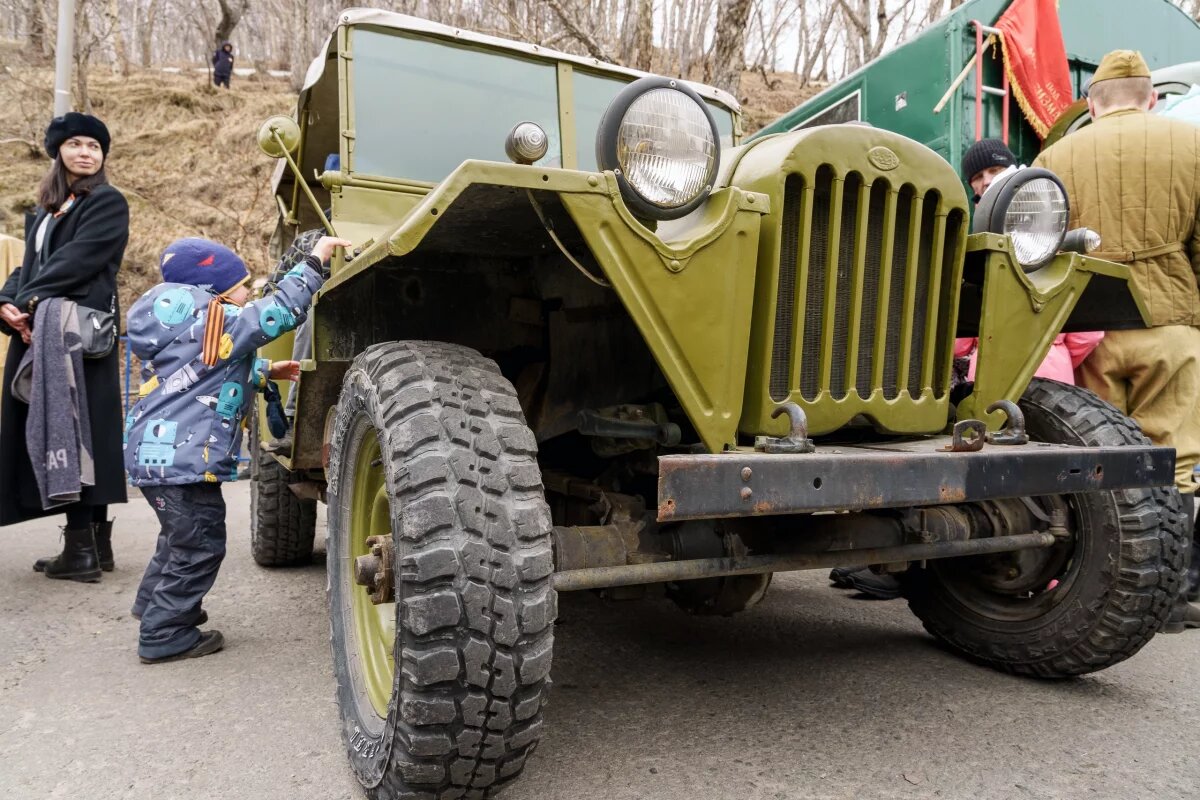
<point>584,340</point>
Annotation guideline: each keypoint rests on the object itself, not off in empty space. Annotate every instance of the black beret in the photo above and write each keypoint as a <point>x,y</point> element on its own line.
<point>75,124</point>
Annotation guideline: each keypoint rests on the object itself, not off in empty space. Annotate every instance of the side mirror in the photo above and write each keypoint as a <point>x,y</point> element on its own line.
<point>279,136</point>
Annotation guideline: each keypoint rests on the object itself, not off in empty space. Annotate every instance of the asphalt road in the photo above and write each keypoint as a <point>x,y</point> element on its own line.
<point>811,695</point>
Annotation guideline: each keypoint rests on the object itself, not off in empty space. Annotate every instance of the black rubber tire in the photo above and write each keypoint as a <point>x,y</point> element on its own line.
<point>1127,564</point>
<point>282,526</point>
<point>473,563</point>
<point>296,252</point>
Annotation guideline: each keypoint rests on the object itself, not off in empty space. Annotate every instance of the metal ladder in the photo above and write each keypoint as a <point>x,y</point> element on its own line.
<point>980,89</point>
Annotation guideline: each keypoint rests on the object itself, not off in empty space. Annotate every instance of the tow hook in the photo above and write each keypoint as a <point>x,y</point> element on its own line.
<point>1013,431</point>
<point>374,570</point>
<point>796,441</point>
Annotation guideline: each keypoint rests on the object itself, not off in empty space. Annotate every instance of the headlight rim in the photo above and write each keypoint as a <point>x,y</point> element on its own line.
<point>993,206</point>
<point>606,146</point>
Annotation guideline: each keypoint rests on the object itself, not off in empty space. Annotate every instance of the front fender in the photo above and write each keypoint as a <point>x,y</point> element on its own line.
<point>1019,314</point>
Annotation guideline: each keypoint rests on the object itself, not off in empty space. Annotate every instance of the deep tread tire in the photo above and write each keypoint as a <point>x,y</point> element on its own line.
<point>296,252</point>
<point>473,563</point>
<point>1131,552</point>
<point>282,526</point>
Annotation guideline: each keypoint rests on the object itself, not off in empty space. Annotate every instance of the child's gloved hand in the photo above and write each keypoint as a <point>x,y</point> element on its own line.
<point>323,249</point>
<point>284,371</point>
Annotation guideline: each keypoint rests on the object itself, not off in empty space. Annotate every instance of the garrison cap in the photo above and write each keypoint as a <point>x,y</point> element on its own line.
<point>1121,64</point>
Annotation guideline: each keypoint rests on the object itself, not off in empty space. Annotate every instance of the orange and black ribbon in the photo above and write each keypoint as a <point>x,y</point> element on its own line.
<point>214,329</point>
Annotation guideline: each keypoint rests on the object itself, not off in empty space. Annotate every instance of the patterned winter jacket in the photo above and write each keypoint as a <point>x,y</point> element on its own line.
<point>187,426</point>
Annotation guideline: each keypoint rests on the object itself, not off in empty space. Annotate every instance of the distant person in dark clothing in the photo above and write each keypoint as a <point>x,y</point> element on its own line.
<point>223,65</point>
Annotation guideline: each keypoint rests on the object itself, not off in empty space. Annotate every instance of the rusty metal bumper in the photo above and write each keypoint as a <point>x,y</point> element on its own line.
<point>913,473</point>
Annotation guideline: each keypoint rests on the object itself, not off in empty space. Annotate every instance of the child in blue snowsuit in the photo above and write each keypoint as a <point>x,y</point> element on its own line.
<point>196,337</point>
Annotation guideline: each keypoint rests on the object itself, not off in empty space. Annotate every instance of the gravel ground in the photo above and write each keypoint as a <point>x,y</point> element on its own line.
<point>813,694</point>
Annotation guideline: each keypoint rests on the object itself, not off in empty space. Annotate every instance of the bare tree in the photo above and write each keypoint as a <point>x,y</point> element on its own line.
<point>231,15</point>
<point>643,37</point>
<point>728,55</point>
<point>568,18</point>
<point>36,45</point>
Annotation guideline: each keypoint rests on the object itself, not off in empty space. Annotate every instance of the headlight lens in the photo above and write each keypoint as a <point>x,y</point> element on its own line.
<point>661,140</point>
<point>1036,220</point>
<point>1030,207</point>
<point>666,148</point>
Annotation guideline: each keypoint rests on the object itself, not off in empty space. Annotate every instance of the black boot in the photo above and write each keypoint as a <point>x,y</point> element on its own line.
<point>1184,616</point>
<point>78,561</point>
<point>103,533</point>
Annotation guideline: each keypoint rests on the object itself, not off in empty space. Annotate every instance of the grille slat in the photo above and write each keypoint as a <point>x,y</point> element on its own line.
<point>814,299</point>
<point>873,262</point>
<point>938,244</point>
<point>785,303</point>
<point>837,286</point>
<point>916,280</point>
<point>886,269</point>
<point>857,260</point>
<point>896,283</point>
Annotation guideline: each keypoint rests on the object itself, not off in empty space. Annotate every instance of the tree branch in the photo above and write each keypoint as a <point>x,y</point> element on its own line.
<point>591,45</point>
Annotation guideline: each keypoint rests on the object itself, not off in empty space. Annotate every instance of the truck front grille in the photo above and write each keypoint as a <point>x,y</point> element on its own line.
<point>873,265</point>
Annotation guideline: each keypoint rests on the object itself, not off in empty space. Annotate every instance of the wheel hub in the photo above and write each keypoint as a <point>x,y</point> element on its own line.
<point>374,570</point>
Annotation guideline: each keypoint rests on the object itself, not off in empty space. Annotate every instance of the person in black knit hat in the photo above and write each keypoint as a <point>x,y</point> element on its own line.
<point>73,249</point>
<point>983,162</point>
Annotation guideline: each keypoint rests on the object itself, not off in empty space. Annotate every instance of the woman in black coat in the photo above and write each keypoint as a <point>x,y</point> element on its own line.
<point>73,250</point>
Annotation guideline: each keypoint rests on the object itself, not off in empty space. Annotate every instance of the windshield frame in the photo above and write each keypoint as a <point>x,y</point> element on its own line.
<point>564,64</point>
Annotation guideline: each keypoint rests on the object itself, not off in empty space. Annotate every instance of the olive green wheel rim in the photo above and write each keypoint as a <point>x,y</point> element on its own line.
<point>374,625</point>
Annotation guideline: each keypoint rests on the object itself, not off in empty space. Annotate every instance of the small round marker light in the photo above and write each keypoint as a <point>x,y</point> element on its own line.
<point>526,143</point>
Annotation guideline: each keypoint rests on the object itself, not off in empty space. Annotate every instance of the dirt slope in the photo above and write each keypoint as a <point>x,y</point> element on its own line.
<point>183,153</point>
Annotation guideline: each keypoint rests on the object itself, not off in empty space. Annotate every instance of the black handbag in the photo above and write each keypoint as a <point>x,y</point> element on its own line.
<point>97,330</point>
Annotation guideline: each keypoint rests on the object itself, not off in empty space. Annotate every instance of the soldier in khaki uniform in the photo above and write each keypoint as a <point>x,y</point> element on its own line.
<point>1134,178</point>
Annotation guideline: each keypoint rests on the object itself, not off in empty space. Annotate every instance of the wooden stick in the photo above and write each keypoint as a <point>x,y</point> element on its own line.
<point>962,76</point>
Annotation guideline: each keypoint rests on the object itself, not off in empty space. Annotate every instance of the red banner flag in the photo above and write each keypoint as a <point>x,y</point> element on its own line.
<point>1036,61</point>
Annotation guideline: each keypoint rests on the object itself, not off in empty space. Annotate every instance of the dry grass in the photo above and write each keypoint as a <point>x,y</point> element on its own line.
<point>766,98</point>
<point>183,153</point>
<point>185,156</point>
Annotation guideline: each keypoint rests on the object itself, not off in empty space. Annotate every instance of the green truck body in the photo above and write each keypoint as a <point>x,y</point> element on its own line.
<point>522,382</point>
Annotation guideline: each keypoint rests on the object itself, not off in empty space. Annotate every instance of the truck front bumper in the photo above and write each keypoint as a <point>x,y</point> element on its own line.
<point>890,475</point>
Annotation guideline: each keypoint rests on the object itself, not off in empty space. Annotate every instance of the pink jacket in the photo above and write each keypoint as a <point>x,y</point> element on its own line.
<point>1068,352</point>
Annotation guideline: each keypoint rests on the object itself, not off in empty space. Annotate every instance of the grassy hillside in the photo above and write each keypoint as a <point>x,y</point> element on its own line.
<point>185,156</point>
<point>183,153</point>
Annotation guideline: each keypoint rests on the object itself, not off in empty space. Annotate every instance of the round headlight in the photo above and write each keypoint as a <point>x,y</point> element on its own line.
<point>1030,207</point>
<point>661,141</point>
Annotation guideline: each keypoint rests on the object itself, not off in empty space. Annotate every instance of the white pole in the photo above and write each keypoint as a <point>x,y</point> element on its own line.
<point>63,56</point>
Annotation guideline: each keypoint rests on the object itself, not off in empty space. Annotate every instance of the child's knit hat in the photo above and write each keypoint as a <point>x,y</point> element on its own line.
<point>210,266</point>
<point>203,263</point>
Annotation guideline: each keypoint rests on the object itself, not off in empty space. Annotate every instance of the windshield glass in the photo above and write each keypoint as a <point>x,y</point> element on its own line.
<point>421,107</point>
